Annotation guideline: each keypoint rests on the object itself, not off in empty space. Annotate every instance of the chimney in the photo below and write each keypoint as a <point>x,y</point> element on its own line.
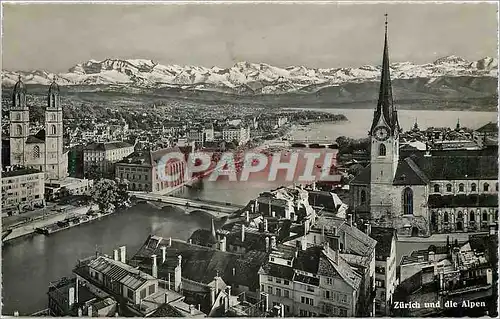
<point>123,254</point>
<point>216,282</point>
<point>282,310</point>
<point>190,241</point>
<point>191,309</point>
<point>267,244</point>
<point>16,313</point>
<point>116,256</point>
<point>303,243</point>
<point>242,233</point>
<point>273,214</point>
<point>170,242</point>
<point>89,311</point>
<point>234,271</point>
<point>163,254</point>
<point>349,219</point>
<point>265,225</point>
<point>154,268</point>
<point>273,242</point>
<point>265,297</point>
<point>169,282</point>
<point>166,297</point>
<point>247,216</point>
<point>368,228</point>
<point>431,256</point>
<point>223,243</point>
<point>212,296</point>
<point>71,298</point>
<point>229,291</point>
<point>199,307</point>
<point>178,275</point>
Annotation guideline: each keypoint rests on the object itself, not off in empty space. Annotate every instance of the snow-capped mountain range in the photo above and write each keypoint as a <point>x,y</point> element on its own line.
<point>245,77</point>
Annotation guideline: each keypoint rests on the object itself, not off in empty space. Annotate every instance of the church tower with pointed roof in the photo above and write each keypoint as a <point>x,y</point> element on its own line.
<point>19,124</point>
<point>384,141</point>
<point>56,163</point>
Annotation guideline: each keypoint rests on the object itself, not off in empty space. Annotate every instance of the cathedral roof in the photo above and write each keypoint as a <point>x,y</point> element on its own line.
<point>458,167</point>
<point>408,173</point>
<point>363,178</point>
<point>33,140</point>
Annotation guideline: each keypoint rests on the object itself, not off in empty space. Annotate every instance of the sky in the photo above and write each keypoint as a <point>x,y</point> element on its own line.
<point>55,37</point>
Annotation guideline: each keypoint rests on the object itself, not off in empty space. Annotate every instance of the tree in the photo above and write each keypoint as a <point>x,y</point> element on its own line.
<point>110,194</point>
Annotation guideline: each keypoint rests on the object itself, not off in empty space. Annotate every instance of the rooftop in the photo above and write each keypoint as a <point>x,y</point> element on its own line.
<point>18,171</point>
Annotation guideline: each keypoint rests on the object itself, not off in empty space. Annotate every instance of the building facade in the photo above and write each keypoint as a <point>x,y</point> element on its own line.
<point>100,158</point>
<point>45,150</point>
<point>22,189</point>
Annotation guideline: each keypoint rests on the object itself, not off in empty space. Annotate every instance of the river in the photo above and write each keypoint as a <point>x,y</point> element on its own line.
<point>29,264</point>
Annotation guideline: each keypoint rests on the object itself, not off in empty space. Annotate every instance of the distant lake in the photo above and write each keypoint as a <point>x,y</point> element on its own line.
<point>360,120</point>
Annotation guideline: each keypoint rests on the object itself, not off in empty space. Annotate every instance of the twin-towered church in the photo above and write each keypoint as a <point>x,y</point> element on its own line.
<point>422,192</point>
<point>44,150</point>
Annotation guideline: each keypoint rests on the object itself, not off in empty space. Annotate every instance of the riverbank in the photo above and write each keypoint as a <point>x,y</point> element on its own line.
<point>29,227</point>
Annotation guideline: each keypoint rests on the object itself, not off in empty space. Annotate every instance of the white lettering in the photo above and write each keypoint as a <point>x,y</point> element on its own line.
<point>276,165</point>
<point>162,164</point>
<point>227,159</point>
<point>309,167</point>
<point>205,160</point>
<point>250,168</point>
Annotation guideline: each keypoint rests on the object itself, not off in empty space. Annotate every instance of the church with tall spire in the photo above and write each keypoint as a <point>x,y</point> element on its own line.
<point>44,150</point>
<point>421,192</point>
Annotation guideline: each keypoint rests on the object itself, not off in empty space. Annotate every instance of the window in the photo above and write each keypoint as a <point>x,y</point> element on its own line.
<point>472,217</point>
<point>130,294</point>
<point>36,152</point>
<point>270,290</point>
<point>363,197</point>
<point>327,294</point>
<point>408,201</point>
<point>486,187</point>
<point>53,100</point>
<point>262,287</point>
<point>278,292</point>
<point>329,281</point>
<point>485,216</point>
<point>473,187</point>
<point>445,217</point>
<point>286,293</point>
<point>496,186</point>
<point>461,187</point>
<point>448,188</point>
<point>151,290</point>
<point>381,150</point>
<point>269,278</point>
<point>286,282</point>
<point>278,280</point>
<point>436,188</point>
<point>307,301</point>
<point>460,215</point>
<point>53,129</point>
<point>19,129</point>
<point>143,293</point>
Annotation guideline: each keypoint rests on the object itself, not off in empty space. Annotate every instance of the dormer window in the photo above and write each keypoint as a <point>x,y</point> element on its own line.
<point>448,188</point>
<point>436,188</point>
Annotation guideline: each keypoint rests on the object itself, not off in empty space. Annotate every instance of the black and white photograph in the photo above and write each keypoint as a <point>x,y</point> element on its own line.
<point>249,159</point>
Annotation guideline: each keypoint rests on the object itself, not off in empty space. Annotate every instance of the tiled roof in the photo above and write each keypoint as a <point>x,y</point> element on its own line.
<point>463,200</point>
<point>408,173</point>
<point>459,167</point>
<point>19,172</point>
<point>279,271</point>
<point>203,237</point>
<point>308,260</point>
<point>201,264</point>
<point>357,242</point>
<point>120,272</point>
<point>107,146</point>
<point>322,199</point>
<point>384,237</point>
<point>363,178</point>
<point>166,310</point>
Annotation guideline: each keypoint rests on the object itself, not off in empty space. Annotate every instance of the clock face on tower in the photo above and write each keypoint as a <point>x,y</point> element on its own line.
<point>381,133</point>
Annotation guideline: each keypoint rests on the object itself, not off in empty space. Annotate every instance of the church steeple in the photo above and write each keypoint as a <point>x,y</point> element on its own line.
<point>385,104</point>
